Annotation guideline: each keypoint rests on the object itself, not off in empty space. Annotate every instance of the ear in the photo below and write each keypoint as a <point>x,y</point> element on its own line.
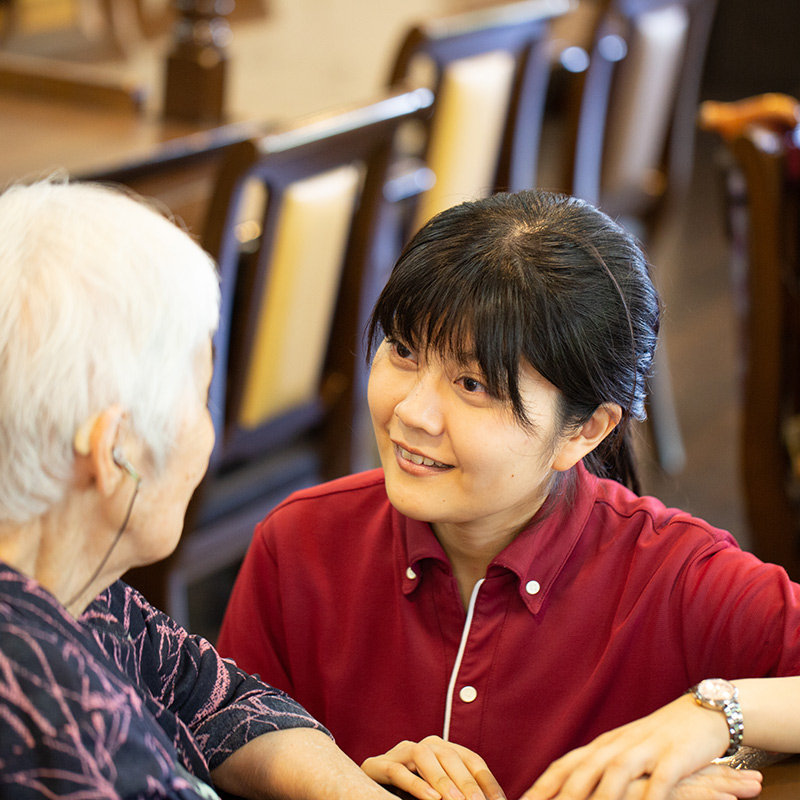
<point>94,448</point>
<point>605,418</point>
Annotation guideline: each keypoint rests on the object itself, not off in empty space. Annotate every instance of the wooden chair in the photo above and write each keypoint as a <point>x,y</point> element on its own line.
<point>293,222</point>
<point>637,100</point>
<point>763,137</point>
<point>489,71</point>
<point>182,173</point>
<point>631,133</point>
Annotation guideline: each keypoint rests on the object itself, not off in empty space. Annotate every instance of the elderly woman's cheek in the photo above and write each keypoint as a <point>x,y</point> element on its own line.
<point>160,510</point>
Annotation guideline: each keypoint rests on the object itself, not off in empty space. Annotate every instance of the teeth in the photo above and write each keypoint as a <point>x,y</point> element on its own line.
<point>421,460</point>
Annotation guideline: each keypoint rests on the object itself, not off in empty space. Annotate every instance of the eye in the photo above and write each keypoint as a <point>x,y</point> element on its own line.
<point>401,350</point>
<point>472,385</point>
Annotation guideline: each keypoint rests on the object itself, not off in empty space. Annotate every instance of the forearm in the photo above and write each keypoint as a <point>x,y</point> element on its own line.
<point>771,712</point>
<point>294,764</point>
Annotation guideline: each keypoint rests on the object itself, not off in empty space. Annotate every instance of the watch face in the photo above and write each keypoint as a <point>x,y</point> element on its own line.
<point>716,690</point>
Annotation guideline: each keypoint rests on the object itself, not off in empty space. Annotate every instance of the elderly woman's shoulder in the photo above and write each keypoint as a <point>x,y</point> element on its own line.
<point>26,607</point>
<point>124,610</point>
<point>38,637</point>
<point>62,705</point>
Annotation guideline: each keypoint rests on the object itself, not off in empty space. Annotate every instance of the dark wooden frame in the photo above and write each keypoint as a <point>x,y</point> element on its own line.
<point>252,471</point>
<point>521,29</point>
<point>770,164</point>
<point>595,92</point>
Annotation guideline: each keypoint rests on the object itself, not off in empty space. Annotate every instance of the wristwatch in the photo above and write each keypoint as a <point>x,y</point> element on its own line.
<point>721,695</point>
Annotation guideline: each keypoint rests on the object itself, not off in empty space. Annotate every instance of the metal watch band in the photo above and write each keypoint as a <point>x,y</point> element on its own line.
<point>733,716</point>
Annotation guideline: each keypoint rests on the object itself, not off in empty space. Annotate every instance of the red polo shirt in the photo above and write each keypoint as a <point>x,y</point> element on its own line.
<point>597,614</point>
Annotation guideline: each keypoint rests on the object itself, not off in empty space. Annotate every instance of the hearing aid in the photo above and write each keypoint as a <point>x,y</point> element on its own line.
<point>123,463</point>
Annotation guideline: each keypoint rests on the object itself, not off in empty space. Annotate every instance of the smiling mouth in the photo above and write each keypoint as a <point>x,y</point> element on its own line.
<point>423,461</point>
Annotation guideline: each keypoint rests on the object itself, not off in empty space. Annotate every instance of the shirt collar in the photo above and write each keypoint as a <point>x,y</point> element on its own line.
<point>536,556</point>
<point>420,544</point>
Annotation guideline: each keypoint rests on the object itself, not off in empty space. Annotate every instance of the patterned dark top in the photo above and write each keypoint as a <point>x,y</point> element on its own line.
<point>122,703</point>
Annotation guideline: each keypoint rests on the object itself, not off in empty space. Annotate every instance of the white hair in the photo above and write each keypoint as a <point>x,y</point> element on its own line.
<point>102,300</point>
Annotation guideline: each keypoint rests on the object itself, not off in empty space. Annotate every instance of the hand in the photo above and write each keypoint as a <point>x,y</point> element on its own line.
<point>668,745</point>
<point>714,782</point>
<point>434,769</point>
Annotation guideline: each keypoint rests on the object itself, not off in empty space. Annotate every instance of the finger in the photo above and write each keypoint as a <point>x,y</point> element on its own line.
<point>479,770</point>
<point>394,773</point>
<point>636,790</point>
<point>715,782</point>
<point>667,774</point>
<point>444,770</point>
<point>609,781</point>
<point>606,772</point>
<point>489,785</point>
<point>549,783</point>
<point>470,773</point>
<point>718,780</point>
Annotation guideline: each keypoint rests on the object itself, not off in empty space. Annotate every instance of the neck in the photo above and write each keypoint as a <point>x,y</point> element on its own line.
<point>58,551</point>
<point>470,552</point>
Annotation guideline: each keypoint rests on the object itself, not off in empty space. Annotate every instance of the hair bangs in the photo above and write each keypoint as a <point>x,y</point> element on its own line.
<point>461,312</point>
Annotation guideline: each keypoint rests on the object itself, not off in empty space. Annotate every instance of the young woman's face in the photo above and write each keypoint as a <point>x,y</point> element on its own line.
<point>452,453</point>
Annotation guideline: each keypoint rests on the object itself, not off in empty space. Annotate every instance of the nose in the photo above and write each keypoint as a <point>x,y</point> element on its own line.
<point>421,407</point>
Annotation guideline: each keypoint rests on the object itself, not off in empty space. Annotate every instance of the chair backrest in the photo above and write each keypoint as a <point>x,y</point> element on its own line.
<point>292,223</point>
<point>181,174</point>
<point>633,130</point>
<point>489,71</point>
<point>763,137</point>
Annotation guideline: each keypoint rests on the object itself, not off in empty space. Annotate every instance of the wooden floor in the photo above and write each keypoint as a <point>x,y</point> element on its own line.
<point>701,334</point>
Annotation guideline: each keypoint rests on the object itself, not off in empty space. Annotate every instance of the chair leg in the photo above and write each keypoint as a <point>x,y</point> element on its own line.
<point>664,423</point>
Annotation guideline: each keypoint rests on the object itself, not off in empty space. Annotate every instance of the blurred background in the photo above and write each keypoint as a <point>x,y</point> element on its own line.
<point>285,58</point>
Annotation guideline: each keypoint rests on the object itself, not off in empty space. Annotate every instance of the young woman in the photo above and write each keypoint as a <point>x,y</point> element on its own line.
<point>499,583</point>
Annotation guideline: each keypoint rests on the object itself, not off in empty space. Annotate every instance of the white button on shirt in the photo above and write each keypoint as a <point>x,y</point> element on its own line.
<point>532,587</point>
<point>410,574</point>
<point>468,694</point>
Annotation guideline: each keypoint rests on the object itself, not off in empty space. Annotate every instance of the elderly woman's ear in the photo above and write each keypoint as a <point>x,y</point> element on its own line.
<point>94,445</point>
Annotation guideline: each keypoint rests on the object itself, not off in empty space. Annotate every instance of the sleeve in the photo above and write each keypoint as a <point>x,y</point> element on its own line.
<point>741,616</point>
<point>69,729</point>
<point>222,705</point>
<point>253,630</point>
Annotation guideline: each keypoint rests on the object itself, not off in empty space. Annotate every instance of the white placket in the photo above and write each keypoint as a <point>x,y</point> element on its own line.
<point>448,708</point>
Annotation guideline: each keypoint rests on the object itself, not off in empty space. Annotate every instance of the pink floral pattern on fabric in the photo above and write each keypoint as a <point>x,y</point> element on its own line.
<point>122,703</point>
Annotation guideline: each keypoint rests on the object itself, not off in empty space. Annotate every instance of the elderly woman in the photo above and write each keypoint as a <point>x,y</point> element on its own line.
<point>106,314</point>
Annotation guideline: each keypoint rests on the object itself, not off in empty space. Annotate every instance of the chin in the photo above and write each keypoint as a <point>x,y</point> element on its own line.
<point>163,550</point>
<point>410,505</point>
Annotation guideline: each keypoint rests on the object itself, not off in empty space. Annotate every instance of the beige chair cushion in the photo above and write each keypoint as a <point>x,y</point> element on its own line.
<point>642,107</point>
<point>300,295</point>
<point>467,132</point>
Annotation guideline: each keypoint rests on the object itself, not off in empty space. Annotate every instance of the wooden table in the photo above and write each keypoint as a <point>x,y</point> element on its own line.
<point>781,777</point>
<point>171,161</point>
<point>40,135</point>
<point>782,780</point>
